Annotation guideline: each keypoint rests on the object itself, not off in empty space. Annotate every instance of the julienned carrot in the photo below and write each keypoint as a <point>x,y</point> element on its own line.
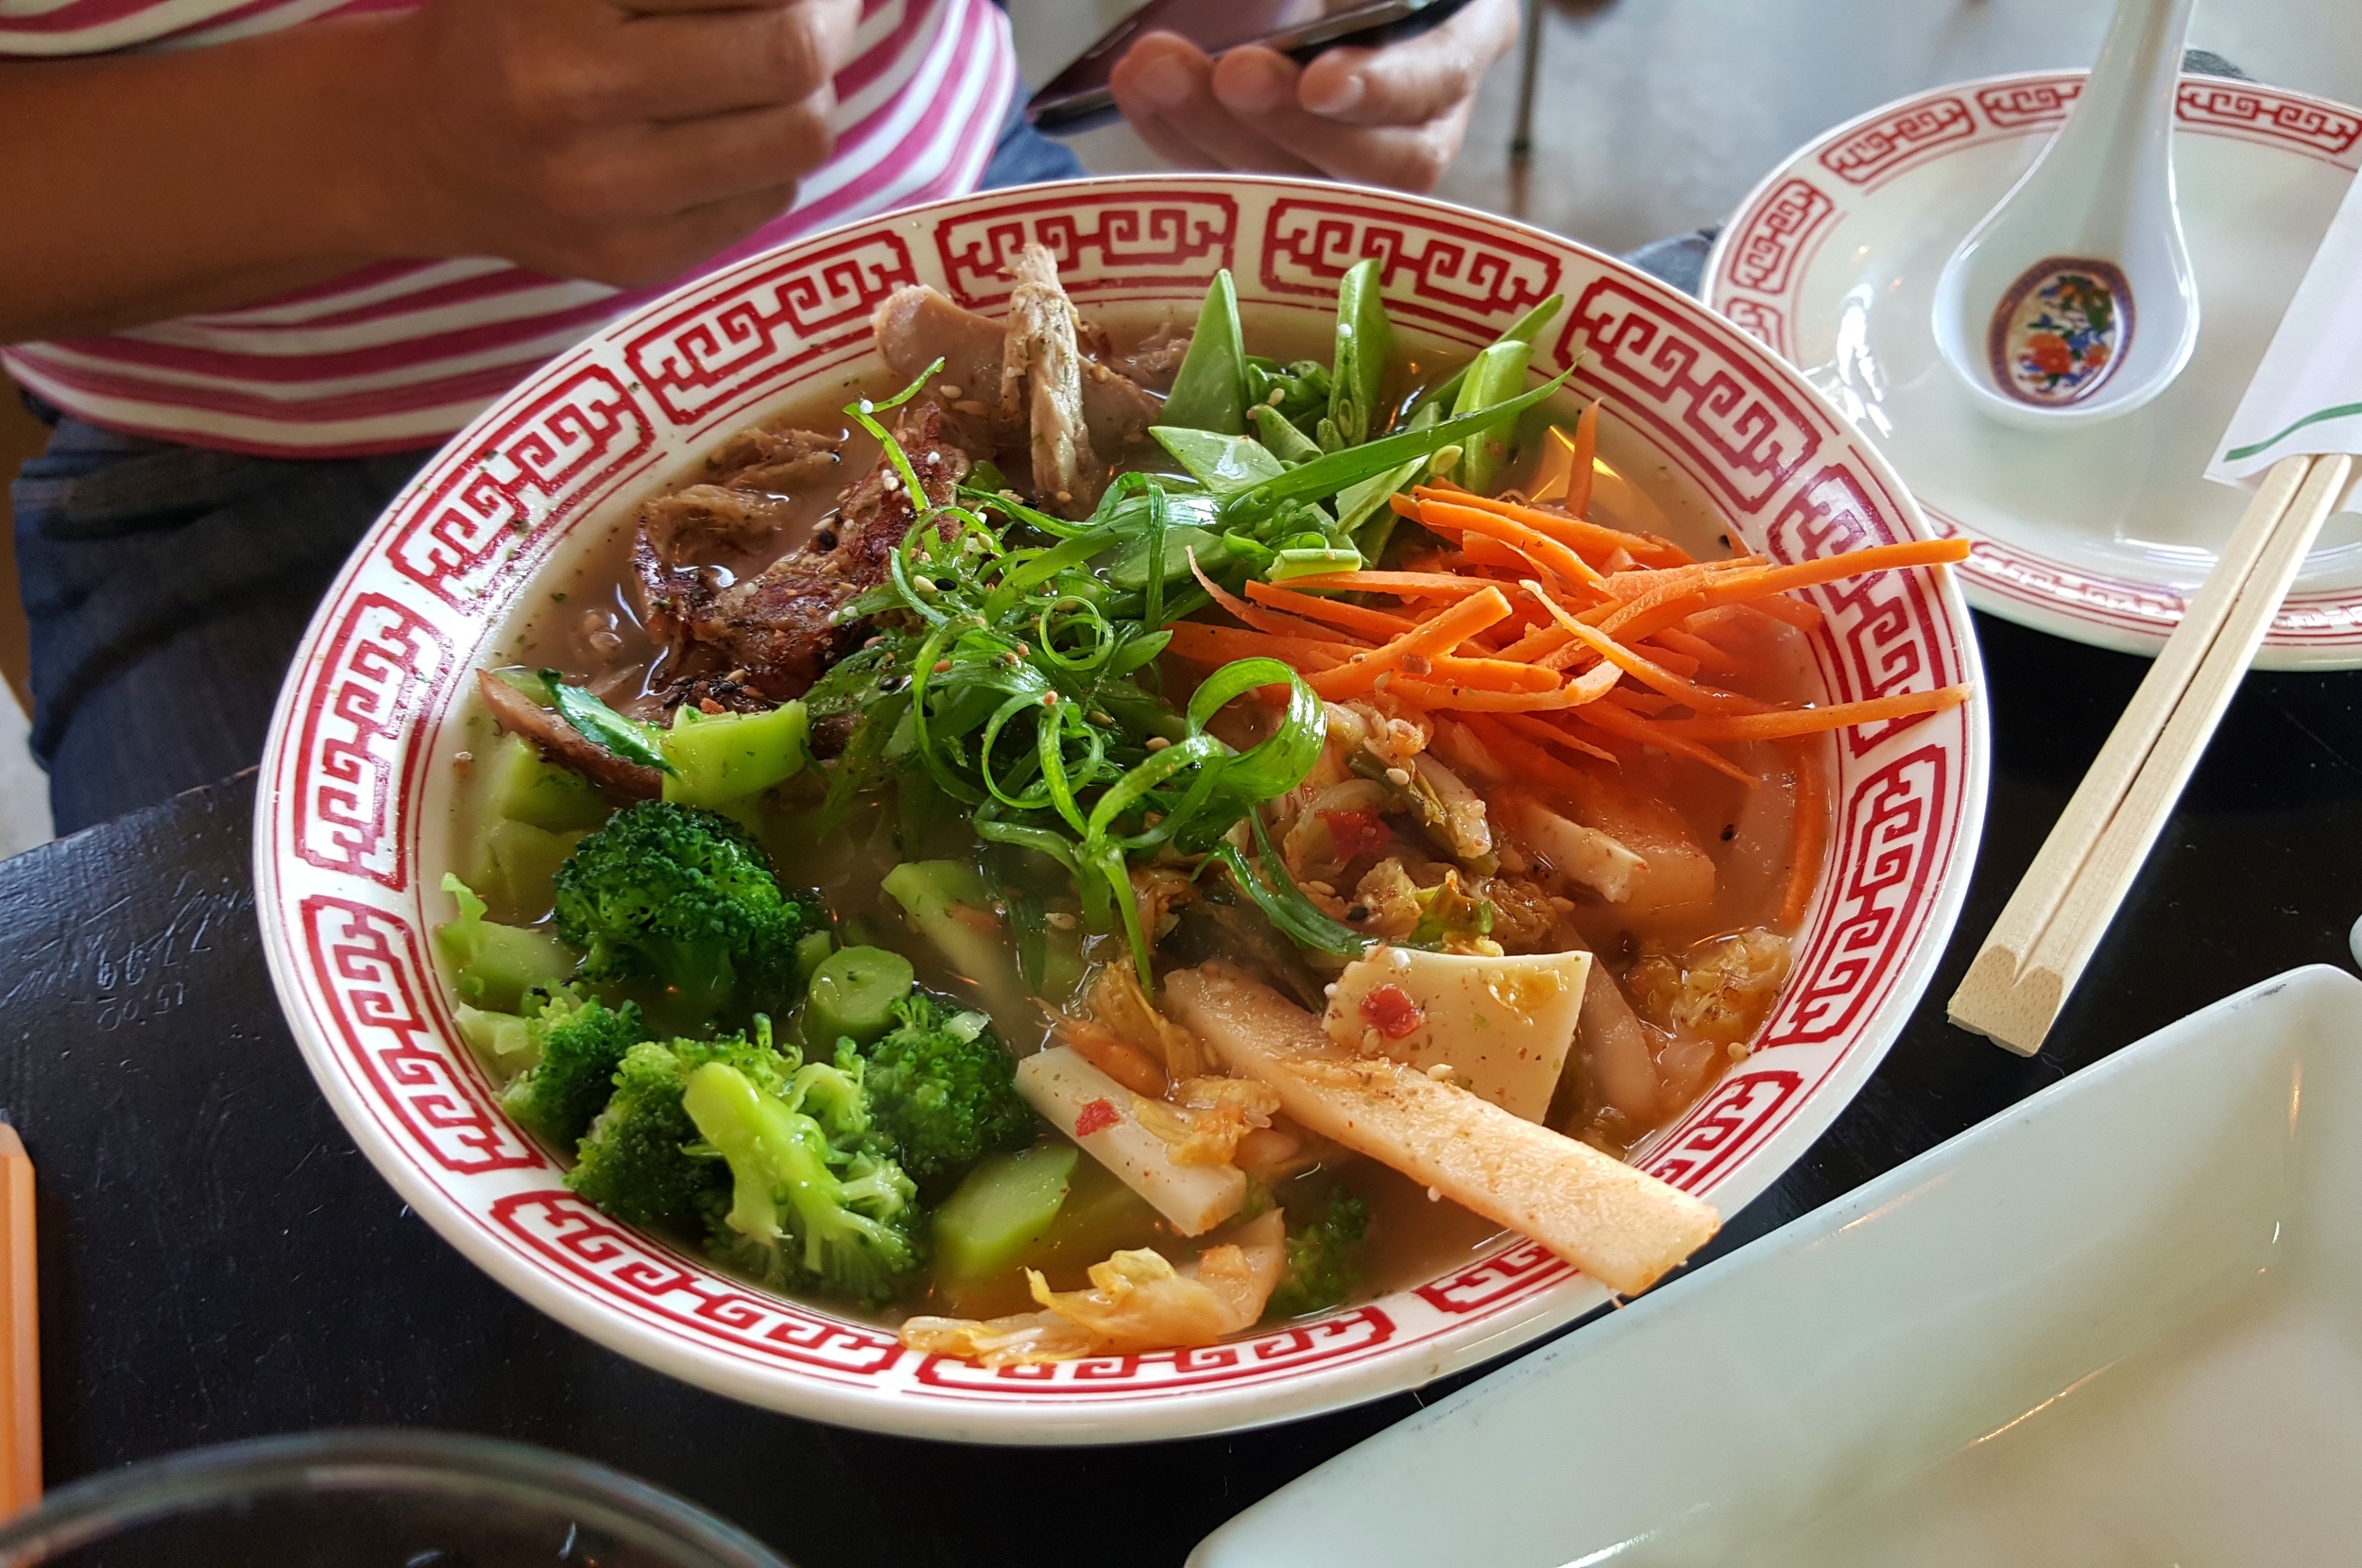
<point>1530,761</point>
<point>1265,621</point>
<point>1646,671</point>
<point>1851,563</point>
<point>1403,585</point>
<point>1432,639</point>
<point>1681,664</point>
<point>1353,618</point>
<point>1484,549</point>
<point>1586,689</point>
<point>1651,613</point>
<point>1573,532</point>
<point>1701,653</point>
<point>1625,586</point>
<point>1811,838</point>
<point>1623,723</point>
<point>1205,644</point>
<point>1532,542</point>
<point>1782,723</point>
<point>1540,730</point>
<point>1586,451</point>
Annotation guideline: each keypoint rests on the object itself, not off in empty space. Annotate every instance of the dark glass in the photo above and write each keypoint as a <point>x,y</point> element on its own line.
<point>367,1499</point>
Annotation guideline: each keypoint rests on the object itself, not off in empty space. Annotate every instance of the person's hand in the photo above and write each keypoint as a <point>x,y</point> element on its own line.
<point>592,139</point>
<point>1387,116</point>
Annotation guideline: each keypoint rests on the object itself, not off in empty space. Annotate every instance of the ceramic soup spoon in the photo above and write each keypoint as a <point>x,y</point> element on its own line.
<point>2073,300</point>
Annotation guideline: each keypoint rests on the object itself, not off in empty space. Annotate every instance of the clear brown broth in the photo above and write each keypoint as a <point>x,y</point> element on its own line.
<point>587,624</point>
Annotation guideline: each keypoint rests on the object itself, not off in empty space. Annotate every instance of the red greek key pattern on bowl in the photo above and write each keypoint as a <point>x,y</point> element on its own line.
<point>1744,434</point>
<point>765,324</point>
<point>1776,234</point>
<point>1761,322</point>
<point>1893,834</point>
<point>378,672</point>
<point>1736,1116</point>
<point>1102,242</point>
<point>2015,105</point>
<point>1519,1270</point>
<point>577,1239</point>
<point>370,975</point>
<point>1323,1341</point>
<point>486,521</point>
<point>1446,272</point>
<point>1889,143</point>
<point>2236,106</point>
<point>1885,623</point>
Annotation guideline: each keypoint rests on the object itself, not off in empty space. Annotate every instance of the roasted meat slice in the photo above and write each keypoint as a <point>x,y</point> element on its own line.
<point>560,742</point>
<point>777,631</point>
<point>1041,371</point>
<point>774,455</point>
<point>917,325</point>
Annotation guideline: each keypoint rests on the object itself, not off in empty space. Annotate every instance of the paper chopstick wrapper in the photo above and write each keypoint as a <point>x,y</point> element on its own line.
<point>2307,395</point>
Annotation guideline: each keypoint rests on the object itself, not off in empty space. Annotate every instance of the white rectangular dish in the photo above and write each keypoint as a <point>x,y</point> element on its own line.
<point>2121,1321</point>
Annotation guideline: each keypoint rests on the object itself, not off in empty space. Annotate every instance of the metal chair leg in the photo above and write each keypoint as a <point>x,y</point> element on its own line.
<point>1529,71</point>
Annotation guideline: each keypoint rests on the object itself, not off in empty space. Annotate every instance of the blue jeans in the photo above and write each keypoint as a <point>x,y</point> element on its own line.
<point>167,585</point>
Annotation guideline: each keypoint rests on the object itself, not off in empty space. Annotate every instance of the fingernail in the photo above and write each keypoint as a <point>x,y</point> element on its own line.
<point>1336,95</point>
<point>1253,85</point>
<point>1164,83</point>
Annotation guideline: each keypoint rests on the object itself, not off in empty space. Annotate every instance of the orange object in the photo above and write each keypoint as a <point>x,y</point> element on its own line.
<point>1586,451</point>
<point>1530,542</point>
<point>1572,531</point>
<point>1432,640</point>
<point>1782,723</point>
<point>1812,836</point>
<point>1311,606</point>
<point>20,1330</point>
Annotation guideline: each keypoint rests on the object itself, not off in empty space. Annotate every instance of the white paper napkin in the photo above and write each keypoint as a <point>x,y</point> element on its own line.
<point>2306,395</point>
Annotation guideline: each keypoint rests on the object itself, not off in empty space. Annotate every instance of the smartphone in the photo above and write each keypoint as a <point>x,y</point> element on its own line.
<point>1080,98</point>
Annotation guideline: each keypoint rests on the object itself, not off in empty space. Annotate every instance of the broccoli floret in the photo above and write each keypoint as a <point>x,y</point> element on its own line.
<point>941,1086</point>
<point>686,898</point>
<point>1323,1258</point>
<point>580,1042</point>
<point>803,1207</point>
<point>633,1162</point>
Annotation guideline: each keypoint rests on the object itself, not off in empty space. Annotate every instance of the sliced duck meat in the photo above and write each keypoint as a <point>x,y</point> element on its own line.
<point>1041,371</point>
<point>777,632</point>
<point>561,743</point>
<point>916,325</point>
<point>774,455</point>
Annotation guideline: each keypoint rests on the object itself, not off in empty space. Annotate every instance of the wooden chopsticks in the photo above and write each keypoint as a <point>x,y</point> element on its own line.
<point>2037,949</point>
<point>20,1332</point>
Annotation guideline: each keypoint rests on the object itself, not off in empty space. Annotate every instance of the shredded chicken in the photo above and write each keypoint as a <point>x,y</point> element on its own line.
<point>1138,1302</point>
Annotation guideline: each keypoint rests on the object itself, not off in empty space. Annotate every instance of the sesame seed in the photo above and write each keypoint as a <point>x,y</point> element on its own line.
<point>1440,1072</point>
<point>1399,777</point>
<point>1157,742</point>
<point>949,389</point>
<point>1433,1196</point>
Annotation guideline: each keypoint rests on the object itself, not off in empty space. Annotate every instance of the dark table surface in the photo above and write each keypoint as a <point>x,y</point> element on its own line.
<point>219,1261</point>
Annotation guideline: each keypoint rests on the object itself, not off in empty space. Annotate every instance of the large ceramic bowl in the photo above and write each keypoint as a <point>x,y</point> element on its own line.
<point>352,822</point>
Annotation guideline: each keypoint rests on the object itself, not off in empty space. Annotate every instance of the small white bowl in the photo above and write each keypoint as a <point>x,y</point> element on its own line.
<point>2101,532</point>
<point>2120,1321</point>
<point>352,825</point>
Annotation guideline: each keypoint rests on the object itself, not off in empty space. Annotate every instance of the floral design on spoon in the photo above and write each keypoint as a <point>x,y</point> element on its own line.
<point>2059,330</point>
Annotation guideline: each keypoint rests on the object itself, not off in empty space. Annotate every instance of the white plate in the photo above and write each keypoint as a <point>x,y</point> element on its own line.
<point>2120,1324</point>
<point>2096,535</point>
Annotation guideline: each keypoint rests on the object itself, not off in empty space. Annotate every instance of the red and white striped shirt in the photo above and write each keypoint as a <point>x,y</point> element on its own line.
<point>404,353</point>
